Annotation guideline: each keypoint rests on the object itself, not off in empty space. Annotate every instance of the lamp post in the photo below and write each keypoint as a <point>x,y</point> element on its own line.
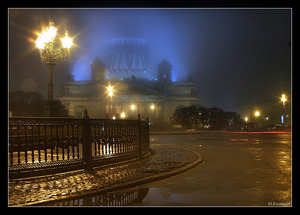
<point>257,114</point>
<point>110,92</point>
<point>283,99</point>
<point>133,108</point>
<point>153,110</point>
<point>45,43</point>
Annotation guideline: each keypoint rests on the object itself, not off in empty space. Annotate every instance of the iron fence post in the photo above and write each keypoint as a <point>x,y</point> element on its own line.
<point>139,136</point>
<point>148,136</point>
<point>87,146</point>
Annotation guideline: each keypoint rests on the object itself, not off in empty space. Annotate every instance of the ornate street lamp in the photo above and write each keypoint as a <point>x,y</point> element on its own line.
<point>45,43</point>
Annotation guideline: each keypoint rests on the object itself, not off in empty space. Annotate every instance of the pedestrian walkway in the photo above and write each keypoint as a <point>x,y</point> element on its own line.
<point>164,162</point>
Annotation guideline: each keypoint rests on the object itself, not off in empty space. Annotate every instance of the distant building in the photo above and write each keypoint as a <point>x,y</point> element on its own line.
<point>128,57</point>
<point>134,92</point>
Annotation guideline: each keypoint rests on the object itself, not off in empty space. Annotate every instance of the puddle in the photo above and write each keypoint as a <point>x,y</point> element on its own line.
<point>117,198</point>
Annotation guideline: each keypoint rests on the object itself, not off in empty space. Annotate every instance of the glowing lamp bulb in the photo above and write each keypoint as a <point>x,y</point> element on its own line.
<point>110,93</point>
<point>283,98</point>
<point>51,32</point>
<point>110,89</point>
<point>40,42</point>
<point>123,115</point>
<point>66,41</point>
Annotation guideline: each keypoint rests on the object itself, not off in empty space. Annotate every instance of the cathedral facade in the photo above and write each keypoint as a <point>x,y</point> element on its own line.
<point>129,94</point>
<point>127,57</point>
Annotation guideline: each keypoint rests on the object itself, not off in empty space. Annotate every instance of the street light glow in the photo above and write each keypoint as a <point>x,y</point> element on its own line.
<point>40,42</point>
<point>66,41</point>
<point>257,113</point>
<point>51,32</point>
<point>123,115</point>
<point>283,99</point>
<point>132,107</point>
<point>46,36</point>
<point>49,54</point>
<point>110,90</point>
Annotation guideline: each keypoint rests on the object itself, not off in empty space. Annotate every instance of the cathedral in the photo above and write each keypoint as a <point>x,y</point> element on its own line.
<point>126,89</point>
<point>127,57</point>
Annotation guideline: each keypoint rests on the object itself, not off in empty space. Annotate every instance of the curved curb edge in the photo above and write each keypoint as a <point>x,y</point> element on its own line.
<point>126,184</point>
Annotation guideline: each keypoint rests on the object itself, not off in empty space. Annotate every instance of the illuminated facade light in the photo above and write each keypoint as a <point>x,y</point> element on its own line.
<point>132,107</point>
<point>123,115</point>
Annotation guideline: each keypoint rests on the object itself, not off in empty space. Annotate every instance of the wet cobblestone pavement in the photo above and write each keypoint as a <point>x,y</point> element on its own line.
<point>34,190</point>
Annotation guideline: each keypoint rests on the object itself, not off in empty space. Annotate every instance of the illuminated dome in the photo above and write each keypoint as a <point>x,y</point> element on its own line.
<point>128,57</point>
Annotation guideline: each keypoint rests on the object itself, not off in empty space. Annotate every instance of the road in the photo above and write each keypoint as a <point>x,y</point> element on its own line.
<point>239,169</point>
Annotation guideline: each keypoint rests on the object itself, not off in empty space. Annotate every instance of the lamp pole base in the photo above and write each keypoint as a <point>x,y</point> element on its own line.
<point>48,109</point>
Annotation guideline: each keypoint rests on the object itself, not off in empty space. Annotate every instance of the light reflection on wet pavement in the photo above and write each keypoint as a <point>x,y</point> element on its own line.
<point>237,170</point>
<point>52,188</point>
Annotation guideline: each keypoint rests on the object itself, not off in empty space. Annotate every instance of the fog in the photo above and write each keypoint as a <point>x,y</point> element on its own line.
<point>236,56</point>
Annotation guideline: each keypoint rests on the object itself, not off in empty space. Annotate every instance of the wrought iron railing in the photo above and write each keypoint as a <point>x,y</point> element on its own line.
<point>55,144</point>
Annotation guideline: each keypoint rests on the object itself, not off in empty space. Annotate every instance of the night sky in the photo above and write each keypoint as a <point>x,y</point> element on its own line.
<point>237,57</point>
